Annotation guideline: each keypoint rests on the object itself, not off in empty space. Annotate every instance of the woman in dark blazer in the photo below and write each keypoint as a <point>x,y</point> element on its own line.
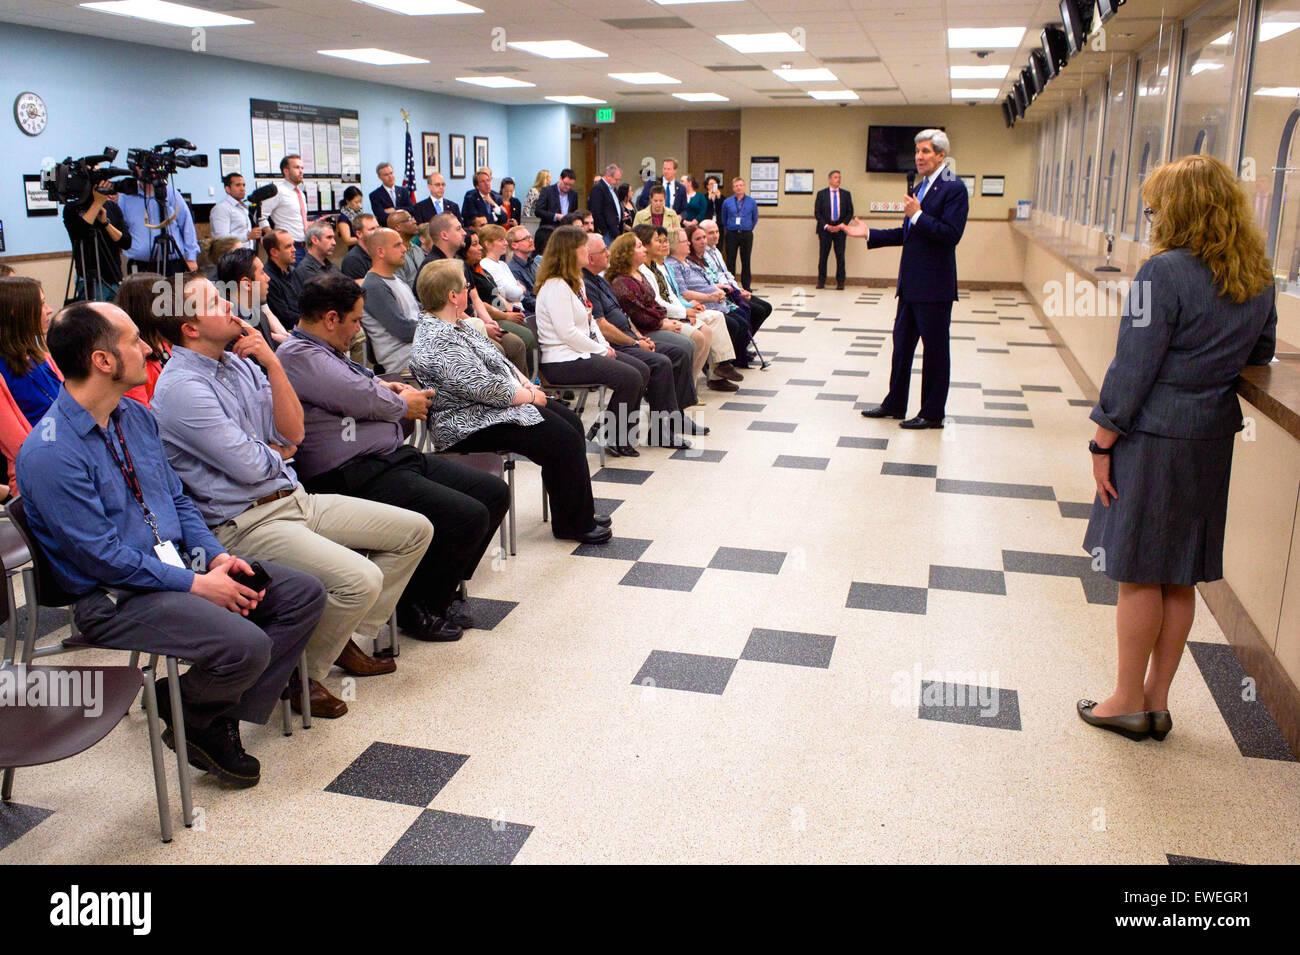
<point>483,403</point>
<point>1200,309</point>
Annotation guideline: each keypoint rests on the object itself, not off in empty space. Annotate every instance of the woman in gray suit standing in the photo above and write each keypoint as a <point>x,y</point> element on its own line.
<point>1199,309</point>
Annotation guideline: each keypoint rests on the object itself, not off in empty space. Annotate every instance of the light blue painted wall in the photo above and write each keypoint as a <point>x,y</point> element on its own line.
<point>122,94</point>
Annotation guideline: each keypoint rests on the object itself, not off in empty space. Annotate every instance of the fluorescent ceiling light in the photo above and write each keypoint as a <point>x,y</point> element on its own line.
<point>494,82</point>
<point>422,8</point>
<point>1285,92</point>
<point>986,92</point>
<point>833,94</point>
<point>977,72</point>
<point>818,75</point>
<point>576,100</point>
<point>556,49</point>
<point>761,42</point>
<point>1271,31</point>
<point>985,38</point>
<point>173,14</point>
<point>643,79</point>
<point>701,97</point>
<point>373,56</point>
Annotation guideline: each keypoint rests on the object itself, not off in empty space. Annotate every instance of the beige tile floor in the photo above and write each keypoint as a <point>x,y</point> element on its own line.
<point>790,763</point>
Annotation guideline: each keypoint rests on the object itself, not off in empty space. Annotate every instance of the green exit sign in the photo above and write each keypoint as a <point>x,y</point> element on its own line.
<point>605,114</point>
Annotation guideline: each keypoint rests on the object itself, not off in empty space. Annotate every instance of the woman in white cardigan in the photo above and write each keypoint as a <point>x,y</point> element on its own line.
<point>573,351</point>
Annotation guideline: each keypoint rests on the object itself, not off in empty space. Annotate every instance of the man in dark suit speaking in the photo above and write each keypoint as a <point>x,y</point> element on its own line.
<point>389,197</point>
<point>833,209</point>
<point>927,281</point>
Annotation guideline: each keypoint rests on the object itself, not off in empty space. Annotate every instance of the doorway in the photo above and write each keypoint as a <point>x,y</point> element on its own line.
<point>712,151</point>
<point>584,147</point>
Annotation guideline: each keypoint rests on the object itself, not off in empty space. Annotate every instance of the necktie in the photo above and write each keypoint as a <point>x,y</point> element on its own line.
<point>670,194</point>
<point>835,205</point>
<point>437,205</point>
<point>921,192</point>
<point>302,207</point>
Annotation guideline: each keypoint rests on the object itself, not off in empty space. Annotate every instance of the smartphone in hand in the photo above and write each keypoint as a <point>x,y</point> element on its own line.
<point>257,580</point>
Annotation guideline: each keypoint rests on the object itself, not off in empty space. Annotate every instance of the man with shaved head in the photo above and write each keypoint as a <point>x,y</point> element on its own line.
<point>121,535</point>
<point>391,311</point>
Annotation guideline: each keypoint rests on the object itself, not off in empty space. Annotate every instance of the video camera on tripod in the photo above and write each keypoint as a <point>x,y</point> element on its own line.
<point>155,166</point>
<point>72,180</point>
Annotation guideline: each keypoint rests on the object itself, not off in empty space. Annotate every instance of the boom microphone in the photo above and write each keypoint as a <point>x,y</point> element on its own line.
<point>261,194</point>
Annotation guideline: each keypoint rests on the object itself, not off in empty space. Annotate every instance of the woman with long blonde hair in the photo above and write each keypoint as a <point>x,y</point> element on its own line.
<point>1201,308</point>
<point>541,182</point>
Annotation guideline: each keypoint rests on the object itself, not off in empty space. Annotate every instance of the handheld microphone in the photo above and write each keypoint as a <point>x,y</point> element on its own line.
<point>911,180</point>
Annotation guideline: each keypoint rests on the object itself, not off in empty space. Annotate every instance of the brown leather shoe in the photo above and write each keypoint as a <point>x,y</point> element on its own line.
<point>728,371</point>
<point>721,384</point>
<point>357,662</point>
<point>323,703</point>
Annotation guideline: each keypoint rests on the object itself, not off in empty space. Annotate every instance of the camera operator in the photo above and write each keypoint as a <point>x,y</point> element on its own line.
<point>230,216</point>
<point>99,237</point>
<point>140,211</point>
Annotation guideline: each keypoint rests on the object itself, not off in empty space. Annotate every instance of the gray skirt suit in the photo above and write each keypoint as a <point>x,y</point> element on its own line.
<point>1170,394</point>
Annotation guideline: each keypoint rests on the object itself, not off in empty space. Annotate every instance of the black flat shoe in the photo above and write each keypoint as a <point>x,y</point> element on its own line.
<point>614,451</point>
<point>624,451</point>
<point>603,520</point>
<point>597,535</point>
<point>918,423</point>
<point>1136,726</point>
<point>690,426</point>
<point>1161,724</point>
<point>879,412</point>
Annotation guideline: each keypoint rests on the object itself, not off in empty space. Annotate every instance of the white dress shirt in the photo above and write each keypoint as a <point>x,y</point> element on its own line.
<point>565,329</point>
<point>229,217</point>
<point>284,211</point>
<point>929,184</point>
<point>510,287</point>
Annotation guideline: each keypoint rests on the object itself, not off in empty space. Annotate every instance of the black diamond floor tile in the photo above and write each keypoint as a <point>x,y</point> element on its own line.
<point>408,775</point>
<point>889,597</point>
<point>488,613</point>
<point>833,396</point>
<point>971,580</point>
<point>704,455</point>
<point>17,819</point>
<point>789,647</point>
<point>746,559</point>
<point>869,444</point>
<point>992,422</point>
<point>785,427</point>
<point>1075,509</point>
<point>741,406</point>
<point>909,470</point>
<point>693,672</point>
<point>963,703</point>
<point>789,358</point>
<point>1249,721</point>
<point>850,373</point>
<point>662,576</point>
<point>607,505</point>
<point>449,838</point>
<point>756,393</point>
<point>622,475</point>
<point>799,462</point>
<point>1032,492</point>
<point>817,382</point>
<point>617,548</point>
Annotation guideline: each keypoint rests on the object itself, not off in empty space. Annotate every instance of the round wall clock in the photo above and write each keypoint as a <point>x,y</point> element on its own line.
<point>30,114</point>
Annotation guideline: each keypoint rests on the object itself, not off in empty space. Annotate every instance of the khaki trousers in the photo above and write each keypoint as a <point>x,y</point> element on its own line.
<point>320,534</point>
<point>721,349</point>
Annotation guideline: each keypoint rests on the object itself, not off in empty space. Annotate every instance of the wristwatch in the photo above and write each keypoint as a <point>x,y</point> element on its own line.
<point>1096,448</point>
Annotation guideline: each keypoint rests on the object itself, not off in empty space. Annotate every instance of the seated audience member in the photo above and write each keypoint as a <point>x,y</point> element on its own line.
<point>697,206</point>
<point>449,242</point>
<point>483,403</point>
<point>669,381</point>
<point>692,281</point>
<point>693,315</point>
<point>31,378</point>
<point>213,250</point>
<point>496,249</point>
<point>657,213</point>
<point>437,203</point>
<point>144,300</point>
<point>389,197</point>
<point>357,262</point>
<point>320,246</point>
<point>403,223</point>
<point>626,207</point>
<point>242,274</point>
<point>345,224</point>
<point>391,312</point>
<point>230,217</point>
<point>30,375</point>
<point>229,429</point>
<point>509,318</point>
<point>637,298</point>
<point>482,201</point>
<point>574,218</point>
<point>742,321</point>
<point>573,350</point>
<point>514,208</point>
<point>523,258</point>
<point>372,460</point>
<point>281,294</point>
<point>716,265</point>
<point>134,589</point>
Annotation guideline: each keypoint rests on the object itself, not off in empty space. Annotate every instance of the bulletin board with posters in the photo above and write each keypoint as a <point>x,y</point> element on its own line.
<point>327,138</point>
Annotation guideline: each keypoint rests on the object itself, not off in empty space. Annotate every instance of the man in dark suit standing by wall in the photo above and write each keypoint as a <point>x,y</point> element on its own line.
<point>606,210</point>
<point>554,203</point>
<point>833,209</point>
<point>927,281</point>
<point>437,203</point>
<point>389,197</point>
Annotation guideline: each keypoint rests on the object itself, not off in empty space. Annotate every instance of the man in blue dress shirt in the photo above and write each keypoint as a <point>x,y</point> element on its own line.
<point>739,216</point>
<point>143,220</point>
<point>120,533</point>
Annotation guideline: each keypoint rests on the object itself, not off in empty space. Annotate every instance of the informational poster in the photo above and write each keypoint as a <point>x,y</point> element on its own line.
<point>276,127</point>
<point>230,162</point>
<point>350,145</point>
<point>326,195</point>
<point>327,138</point>
<point>307,146</point>
<point>310,190</point>
<point>321,144</point>
<point>291,137</point>
<point>764,179</point>
<point>798,182</point>
<point>261,146</point>
<point>335,150</point>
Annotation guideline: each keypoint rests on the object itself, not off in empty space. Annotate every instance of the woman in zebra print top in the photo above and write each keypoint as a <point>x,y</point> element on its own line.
<point>483,403</point>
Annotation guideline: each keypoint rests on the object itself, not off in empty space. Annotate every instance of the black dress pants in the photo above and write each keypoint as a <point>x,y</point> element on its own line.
<point>929,323</point>
<point>825,241</point>
<point>558,444</point>
<point>624,381</point>
<point>660,389</point>
<point>741,241</point>
<point>240,665</point>
<point>464,505</point>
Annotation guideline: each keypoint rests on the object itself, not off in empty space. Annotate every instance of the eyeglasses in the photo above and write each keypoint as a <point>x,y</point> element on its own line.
<point>1148,212</point>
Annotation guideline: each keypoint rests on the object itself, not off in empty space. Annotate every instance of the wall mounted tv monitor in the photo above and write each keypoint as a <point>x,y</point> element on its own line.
<point>1008,112</point>
<point>1108,8</point>
<point>1056,50</point>
<point>1076,17</point>
<point>893,148</point>
<point>1021,97</point>
<point>1038,69</point>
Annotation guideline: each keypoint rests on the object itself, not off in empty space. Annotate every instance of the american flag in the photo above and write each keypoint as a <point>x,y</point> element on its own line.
<point>409,181</point>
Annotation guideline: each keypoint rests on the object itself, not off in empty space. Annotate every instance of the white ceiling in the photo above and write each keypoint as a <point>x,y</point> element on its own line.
<point>904,41</point>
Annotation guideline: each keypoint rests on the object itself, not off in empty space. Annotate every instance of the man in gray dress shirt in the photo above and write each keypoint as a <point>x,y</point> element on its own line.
<point>229,429</point>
